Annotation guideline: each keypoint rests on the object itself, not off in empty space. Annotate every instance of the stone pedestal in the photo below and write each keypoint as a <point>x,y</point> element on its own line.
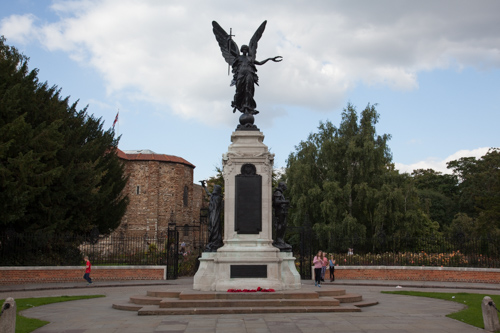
<point>247,260</point>
<point>8,317</point>
<point>490,315</point>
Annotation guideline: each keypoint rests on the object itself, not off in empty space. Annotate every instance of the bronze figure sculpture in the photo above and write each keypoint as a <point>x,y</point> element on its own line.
<point>214,210</point>
<point>281,205</point>
<point>244,72</point>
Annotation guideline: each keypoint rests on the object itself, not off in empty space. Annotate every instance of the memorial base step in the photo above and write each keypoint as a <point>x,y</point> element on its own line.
<point>167,302</point>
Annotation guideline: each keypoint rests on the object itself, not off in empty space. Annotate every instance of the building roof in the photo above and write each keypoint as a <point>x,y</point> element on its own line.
<point>148,155</point>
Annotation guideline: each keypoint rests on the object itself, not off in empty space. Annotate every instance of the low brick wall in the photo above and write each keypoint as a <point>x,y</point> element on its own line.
<point>51,274</point>
<point>416,273</point>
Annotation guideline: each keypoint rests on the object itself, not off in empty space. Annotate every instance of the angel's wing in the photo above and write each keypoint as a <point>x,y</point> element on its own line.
<point>255,40</point>
<point>227,45</point>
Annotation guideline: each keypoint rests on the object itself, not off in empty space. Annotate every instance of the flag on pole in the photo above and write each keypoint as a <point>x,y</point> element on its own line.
<point>116,119</point>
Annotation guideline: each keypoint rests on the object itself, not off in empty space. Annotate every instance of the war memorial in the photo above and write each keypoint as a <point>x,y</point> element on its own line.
<point>247,258</point>
<point>242,269</point>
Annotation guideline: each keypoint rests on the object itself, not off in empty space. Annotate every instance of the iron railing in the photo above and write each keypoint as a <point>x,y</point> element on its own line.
<point>381,250</point>
<point>66,250</point>
<point>23,249</point>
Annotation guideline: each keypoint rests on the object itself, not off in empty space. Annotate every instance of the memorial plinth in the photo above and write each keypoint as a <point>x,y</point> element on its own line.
<point>247,259</point>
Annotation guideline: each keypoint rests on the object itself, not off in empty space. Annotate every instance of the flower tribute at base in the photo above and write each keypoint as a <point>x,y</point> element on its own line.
<point>259,289</point>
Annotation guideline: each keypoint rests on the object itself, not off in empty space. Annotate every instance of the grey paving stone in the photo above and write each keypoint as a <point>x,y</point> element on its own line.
<point>395,313</point>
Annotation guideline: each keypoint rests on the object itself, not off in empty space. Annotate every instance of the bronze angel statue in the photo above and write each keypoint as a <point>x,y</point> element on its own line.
<point>243,68</point>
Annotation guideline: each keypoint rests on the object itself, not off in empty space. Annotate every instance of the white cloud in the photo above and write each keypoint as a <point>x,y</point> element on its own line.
<point>440,165</point>
<point>18,27</point>
<point>165,52</point>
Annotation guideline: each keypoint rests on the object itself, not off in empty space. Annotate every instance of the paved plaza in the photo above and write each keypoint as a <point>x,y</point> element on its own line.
<point>394,313</point>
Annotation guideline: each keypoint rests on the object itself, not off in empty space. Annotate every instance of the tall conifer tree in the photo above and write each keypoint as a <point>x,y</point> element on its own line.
<point>59,172</point>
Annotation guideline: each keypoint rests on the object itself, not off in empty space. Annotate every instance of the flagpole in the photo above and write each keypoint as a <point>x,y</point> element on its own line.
<point>117,120</point>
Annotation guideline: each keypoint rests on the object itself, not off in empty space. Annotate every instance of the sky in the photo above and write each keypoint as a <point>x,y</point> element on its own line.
<point>431,67</point>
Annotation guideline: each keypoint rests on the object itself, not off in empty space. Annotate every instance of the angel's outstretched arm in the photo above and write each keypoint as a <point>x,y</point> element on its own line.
<point>275,59</point>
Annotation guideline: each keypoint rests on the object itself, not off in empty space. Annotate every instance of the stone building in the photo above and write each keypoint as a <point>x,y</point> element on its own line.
<point>162,195</point>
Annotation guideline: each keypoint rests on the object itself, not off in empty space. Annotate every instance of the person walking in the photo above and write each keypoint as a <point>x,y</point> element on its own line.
<point>332,268</point>
<point>318,264</point>
<point>88,268</point>
<point>323,266</point>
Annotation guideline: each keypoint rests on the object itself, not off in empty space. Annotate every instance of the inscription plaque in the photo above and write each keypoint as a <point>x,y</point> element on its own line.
<point>248,271</point>
<point>248,201</point>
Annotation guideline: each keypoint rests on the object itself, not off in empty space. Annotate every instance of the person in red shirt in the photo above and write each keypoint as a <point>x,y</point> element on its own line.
<point>88,267</point>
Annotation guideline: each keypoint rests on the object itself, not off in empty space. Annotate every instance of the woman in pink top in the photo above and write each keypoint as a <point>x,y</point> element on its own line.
<point>318,264</point>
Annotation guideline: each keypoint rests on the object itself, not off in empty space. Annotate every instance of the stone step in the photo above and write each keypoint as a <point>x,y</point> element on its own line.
<point>312,299</point>
<point>349,298</point>
<point>145,300</point>
<point>365,303</point>
<point>193,295</point>
<point>154,310</point>
<point>163,293</point>
<point>127,306</point>
<point>250,303</point>
<point>330,292</point>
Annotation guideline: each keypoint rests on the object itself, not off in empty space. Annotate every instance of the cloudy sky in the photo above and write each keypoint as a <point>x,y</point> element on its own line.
<point>432,68</point>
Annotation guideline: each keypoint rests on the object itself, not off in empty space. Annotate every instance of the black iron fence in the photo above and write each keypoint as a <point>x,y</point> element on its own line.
<point>456,251</point>
<point>164,249</point>
<point>36,249</point>
<point>382,250</point>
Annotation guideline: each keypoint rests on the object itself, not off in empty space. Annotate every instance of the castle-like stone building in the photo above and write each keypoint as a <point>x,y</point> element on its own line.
<point>162,195</point>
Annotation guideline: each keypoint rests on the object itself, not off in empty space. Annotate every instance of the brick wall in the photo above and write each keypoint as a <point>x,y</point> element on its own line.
<point>25,275</point>
<point>159,192</point>
<point>414,273</point>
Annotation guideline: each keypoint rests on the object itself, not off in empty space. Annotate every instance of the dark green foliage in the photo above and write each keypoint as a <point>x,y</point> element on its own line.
<point>216,180</point>
<point>344,181</point>
<point>478,194</point>
<point>188,265</point>
<point>439,193</point>
<point>59,172</point>
<point>466,204</point>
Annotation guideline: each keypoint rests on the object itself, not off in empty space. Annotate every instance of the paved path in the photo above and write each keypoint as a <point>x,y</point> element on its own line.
<point>395,313</point>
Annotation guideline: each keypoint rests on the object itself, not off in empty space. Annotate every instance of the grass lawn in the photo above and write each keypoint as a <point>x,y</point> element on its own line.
<point>26,325</point>
<point>472,314</point>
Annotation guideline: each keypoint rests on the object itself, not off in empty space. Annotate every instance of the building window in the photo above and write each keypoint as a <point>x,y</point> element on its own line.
<point>185,196</point>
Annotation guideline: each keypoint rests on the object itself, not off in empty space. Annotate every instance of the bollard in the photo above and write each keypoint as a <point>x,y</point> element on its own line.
<point>8,316</point>
<point>490,315</point>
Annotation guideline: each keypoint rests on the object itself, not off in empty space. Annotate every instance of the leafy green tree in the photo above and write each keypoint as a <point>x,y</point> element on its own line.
<point>439,194</point>
<point>479,192</point>
<point>59,172</point>
<point>218,179</point>
<point>344,181</point>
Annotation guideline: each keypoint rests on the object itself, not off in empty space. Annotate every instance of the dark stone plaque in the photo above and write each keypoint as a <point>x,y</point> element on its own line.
<point>248,201</point>
<point>248,271</point>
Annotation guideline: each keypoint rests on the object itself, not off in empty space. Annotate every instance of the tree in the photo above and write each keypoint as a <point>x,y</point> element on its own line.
<point>59,172</point>
<point>479,192</point>
<point>218,179</point>
<point>438,192</point>
<point>344,181</point>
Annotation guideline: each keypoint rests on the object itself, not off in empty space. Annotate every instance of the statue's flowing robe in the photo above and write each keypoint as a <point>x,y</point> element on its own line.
<point>245,76</point>
<point>215,230</point>
<point>280,212</point>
